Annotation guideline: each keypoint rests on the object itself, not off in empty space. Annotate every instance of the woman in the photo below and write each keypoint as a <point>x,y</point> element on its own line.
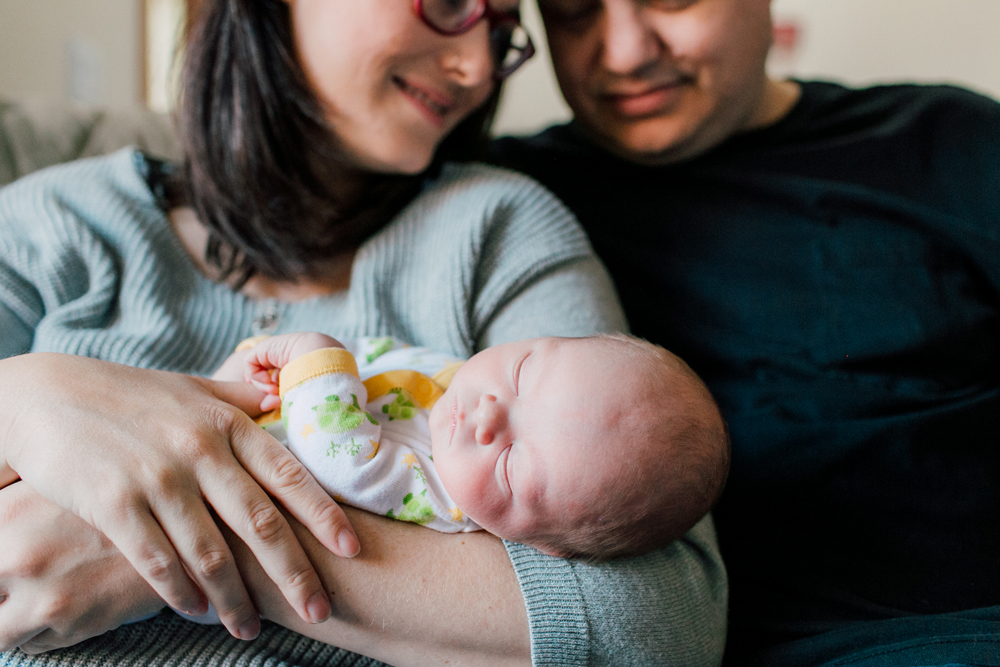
<point>314,195</point>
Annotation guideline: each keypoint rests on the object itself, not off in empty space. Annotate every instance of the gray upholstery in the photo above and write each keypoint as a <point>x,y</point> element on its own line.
<point>36,135</point>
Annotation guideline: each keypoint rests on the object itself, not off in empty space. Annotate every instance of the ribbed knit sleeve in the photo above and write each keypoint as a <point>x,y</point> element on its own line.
<point>90,265</point>
<point>665,608</point>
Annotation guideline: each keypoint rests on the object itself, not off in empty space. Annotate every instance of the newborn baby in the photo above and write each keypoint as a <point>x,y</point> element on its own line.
<point>580,447</point>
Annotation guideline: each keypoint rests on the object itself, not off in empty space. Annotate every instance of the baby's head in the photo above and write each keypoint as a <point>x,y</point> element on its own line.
<point>587,447</point>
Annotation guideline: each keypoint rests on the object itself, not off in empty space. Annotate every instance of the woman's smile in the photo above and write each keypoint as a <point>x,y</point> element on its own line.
<point>433,104</point>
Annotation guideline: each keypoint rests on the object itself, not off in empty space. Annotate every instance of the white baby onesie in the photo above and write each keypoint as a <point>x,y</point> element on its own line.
<point>357,418</point>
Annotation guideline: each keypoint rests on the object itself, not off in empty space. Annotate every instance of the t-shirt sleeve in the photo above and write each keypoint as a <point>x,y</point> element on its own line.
<point>664,608</point>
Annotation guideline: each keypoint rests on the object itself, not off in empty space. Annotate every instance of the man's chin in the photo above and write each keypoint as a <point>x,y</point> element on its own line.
<point>652,141</point>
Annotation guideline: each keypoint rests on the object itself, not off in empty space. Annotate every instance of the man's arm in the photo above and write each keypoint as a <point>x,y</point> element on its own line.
<point>395,602</point>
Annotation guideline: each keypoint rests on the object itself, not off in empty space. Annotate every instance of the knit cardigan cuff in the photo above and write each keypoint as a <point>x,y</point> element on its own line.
<point>556,612</point>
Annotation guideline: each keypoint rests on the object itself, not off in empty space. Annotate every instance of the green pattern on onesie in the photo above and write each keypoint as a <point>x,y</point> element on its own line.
<point>402,407</point>
<point>382,345</point>
<point>416,509</point>
<point>336,416</point>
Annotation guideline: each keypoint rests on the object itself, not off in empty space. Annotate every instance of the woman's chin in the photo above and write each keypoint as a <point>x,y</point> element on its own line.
<point>397,157</point>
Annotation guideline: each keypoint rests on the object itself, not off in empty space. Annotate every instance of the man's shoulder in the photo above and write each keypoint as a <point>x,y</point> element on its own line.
<point>893,108</point>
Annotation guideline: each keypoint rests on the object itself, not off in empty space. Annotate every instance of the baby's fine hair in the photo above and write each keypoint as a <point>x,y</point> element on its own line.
<point>678,469</point>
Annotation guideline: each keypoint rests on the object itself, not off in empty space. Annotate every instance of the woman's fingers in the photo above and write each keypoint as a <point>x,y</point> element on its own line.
<point>284,477</point>
<point>208,560</point>
<point>64,580</point>
<point>253,517</point>
<point>141,539</point>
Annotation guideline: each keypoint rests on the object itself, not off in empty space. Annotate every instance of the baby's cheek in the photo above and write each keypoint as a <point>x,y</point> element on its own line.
<point>463,483</point>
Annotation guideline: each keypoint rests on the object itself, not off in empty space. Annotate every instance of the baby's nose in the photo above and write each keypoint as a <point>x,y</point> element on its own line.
<point>489,420</point>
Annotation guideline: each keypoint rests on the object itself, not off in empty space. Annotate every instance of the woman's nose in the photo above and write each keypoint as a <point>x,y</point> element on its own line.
<point>468,58</point>
<point>490,420</point>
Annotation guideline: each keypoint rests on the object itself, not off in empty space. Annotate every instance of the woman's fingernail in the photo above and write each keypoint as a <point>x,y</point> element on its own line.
<point>250,629</point>
<point>318,607</point>
<point>348,543</point>
<point>198,609</point>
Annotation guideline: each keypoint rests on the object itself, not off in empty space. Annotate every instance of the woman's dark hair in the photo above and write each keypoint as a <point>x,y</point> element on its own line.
<point>261,163</point>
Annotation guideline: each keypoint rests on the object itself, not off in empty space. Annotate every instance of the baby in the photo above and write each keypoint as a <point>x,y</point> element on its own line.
<point>580,447</point>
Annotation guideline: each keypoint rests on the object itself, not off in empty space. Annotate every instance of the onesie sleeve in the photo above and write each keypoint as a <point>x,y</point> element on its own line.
<point>329,420</point>
<point>324,414</point>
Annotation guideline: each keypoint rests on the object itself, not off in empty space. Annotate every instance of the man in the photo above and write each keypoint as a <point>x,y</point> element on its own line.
<point>828,260</point>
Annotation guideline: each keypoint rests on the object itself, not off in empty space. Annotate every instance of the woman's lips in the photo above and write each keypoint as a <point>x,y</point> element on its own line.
<point>434,105</point>
<point>646,102</point>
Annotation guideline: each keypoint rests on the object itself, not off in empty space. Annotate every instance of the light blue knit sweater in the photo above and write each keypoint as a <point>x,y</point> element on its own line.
<point>90,265</point>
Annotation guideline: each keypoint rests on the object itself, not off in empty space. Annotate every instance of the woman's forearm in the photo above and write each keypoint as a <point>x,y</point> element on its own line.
<point>413,597</point>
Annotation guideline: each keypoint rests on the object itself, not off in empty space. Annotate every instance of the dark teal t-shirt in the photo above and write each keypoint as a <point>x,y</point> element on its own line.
<point>835,279</point>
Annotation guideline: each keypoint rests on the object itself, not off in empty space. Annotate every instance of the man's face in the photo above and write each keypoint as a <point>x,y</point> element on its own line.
<point>660,80</point>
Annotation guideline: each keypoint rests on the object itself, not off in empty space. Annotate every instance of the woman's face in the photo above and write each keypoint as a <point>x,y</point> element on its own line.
<point>392,88</point>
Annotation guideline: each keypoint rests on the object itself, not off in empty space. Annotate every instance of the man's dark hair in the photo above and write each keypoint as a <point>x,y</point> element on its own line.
<point>261,164</point>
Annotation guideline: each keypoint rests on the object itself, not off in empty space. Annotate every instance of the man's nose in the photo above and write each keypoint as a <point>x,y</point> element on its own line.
<point>490,420</point>
<point>630,42</point>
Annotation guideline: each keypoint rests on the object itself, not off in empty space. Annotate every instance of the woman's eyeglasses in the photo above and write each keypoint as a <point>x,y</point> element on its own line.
<point>510,43</point>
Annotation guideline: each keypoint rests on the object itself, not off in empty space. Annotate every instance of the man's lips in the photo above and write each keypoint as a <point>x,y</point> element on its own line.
<point>433,104</point>
<point>644,101</point>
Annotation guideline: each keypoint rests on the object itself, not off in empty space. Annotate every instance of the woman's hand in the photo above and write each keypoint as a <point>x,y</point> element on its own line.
<point>61,581</point>
<point>141,456</point>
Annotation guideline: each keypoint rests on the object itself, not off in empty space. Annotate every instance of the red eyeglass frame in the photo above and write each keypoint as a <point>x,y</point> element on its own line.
<point>493,17</point>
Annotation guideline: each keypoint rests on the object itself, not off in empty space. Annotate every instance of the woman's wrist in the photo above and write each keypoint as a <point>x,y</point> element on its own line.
<point>413,596</point>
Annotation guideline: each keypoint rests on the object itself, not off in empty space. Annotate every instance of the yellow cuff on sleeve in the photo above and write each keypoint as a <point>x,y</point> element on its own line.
<point>328,361</point>
<point>424,390</point>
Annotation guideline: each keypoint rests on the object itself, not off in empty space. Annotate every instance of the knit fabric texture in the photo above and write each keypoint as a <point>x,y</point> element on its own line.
<point>90,265</point>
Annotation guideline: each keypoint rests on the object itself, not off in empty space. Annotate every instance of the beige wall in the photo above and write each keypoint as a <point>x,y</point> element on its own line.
<point>43,41</point>
<point>869,41</point>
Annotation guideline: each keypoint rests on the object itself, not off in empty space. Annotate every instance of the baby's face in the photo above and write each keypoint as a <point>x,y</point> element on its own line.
<point>525,437</point>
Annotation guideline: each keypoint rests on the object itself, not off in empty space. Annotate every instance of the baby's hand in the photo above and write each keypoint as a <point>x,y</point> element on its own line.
<point>264,361</point>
